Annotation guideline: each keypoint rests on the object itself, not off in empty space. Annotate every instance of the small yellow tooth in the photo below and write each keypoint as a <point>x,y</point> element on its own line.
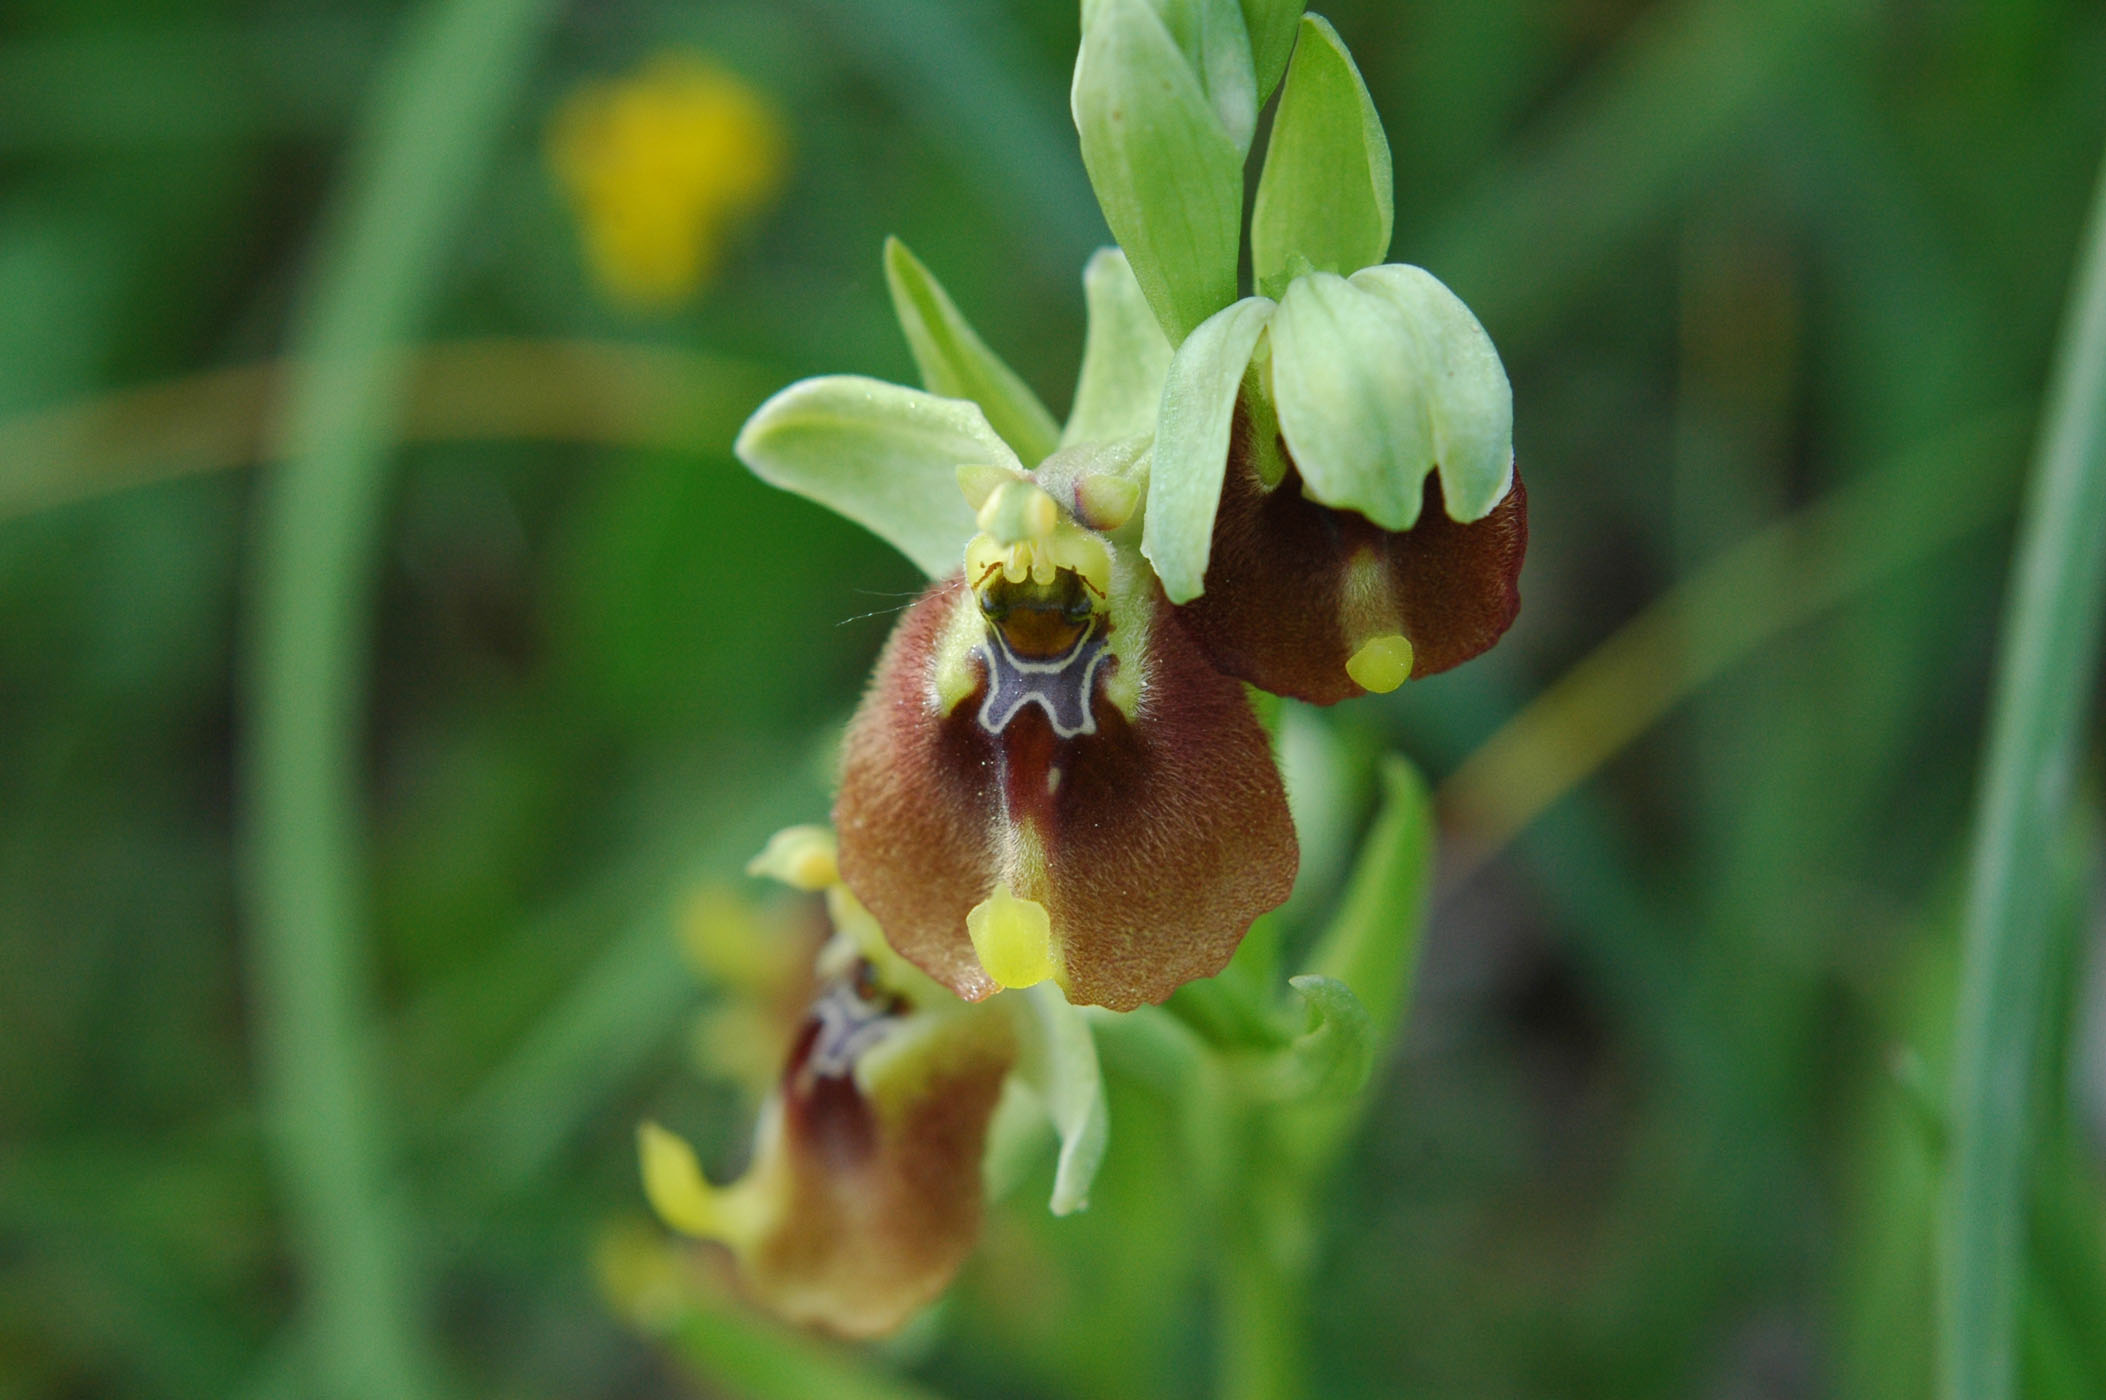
<point>1381,664</point>
<point>674,1185</point>
<point>802,857</point>
<point>1013,938</point>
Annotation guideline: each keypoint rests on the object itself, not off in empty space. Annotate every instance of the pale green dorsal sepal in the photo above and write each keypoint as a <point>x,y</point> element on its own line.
<point>1124,356</point>
<point>1326,193</point>
<point>956,363</point>
<point>1470,402</point>
<point>1192,443</point>
<point>1059,1063</point>
<point>1168,174</point>
<point>1349,376</point>
<point>884,456</point>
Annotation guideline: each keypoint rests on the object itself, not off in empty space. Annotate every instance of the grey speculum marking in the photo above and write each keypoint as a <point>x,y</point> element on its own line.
<point>1059,685</point>
<point>850,1022</point>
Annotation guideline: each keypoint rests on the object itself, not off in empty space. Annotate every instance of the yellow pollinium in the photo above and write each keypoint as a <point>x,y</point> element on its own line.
<point>1013,938</point>
<point>1381,664</point>
<point>801,857</point>
<point>1025,535</point>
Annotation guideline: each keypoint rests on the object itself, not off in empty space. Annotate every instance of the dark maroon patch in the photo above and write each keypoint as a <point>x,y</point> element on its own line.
<point>1272,613</point>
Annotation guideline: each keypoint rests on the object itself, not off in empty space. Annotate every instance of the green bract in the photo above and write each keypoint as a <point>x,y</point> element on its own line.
<point>1325,195</point>
<point>1216,46</point>
<point>1166,168</point>
<point>1334,1056</point>
<point>1272,28</point>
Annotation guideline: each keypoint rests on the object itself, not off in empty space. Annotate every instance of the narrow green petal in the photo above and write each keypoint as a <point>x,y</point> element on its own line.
<point>1326,192</point>
<point>1272,25</point>
<point>1349,378</point>
<point>1468,397</point>
<point>1124,356</point>
<point>1192,443</point>
<point>886,457</point>
<point>1060,1063</point>
<point>1168,174</point>
<point>957,364</point>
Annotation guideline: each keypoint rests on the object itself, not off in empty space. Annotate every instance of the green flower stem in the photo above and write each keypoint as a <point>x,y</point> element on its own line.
<point>435,115</point>
<point>1259,1350</point>
<point>2044,679</point>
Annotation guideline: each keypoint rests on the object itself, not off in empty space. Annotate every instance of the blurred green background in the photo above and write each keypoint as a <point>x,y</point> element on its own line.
<point>1777,283</point>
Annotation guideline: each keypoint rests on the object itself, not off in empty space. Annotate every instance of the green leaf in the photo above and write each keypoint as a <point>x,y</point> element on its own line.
<point>1272,25</point>
<point>1373,944</point>
<point>1168,174</point>
<point>1192,442</point>
<point>957,364</point>
<point>1348,377</point>
<point>1059,1063</point>
<point>1467,395</point>
<point>1333,1057</point>
<point>2046,678</point>
<point>1124,356</point>
<point>1326,191</point>
<point>884,456</point>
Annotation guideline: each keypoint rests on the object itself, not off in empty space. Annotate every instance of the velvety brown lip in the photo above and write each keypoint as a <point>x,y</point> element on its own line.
<point>1274,611</point>
<point>1163,835</point>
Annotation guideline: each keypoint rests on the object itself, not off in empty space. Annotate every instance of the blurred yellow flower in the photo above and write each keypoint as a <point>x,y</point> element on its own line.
<point>658,167</point>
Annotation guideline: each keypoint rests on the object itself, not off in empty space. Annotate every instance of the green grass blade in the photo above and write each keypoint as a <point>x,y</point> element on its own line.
<point>2044,677</point>
<point>435,115</point>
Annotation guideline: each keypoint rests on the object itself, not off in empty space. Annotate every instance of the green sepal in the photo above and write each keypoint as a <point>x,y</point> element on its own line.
<point>1333,1056</point>
<point>1059,1064</point>
<point>1192,443</point>
<point>884,456</point>
<point>956,363</point>
<point>1469,401</point>
<point>1167,172</point>
<point>1326,191</point>
<point>1350,381</point>
<point>1124,356</point>
<point>1272,25</point>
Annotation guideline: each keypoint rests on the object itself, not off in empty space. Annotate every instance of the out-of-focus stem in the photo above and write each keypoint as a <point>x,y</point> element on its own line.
<point>436,110</point>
